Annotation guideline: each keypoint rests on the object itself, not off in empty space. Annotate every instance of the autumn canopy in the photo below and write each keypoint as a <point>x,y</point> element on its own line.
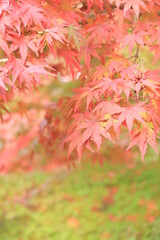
<point>102,47</point>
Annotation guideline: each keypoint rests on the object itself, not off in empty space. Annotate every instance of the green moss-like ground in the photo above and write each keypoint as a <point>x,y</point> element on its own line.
<point>91,203</point>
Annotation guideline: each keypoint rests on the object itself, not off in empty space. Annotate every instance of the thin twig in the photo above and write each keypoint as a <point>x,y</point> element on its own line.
<point>136,55</point>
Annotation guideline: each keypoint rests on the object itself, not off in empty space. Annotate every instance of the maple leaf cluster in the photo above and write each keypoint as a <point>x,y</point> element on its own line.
<point>117,91</point>
<point>97,43</point>
<point>29,31</point>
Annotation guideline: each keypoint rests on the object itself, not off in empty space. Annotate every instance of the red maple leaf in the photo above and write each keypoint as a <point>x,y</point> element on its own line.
<point>99,3</point>
<point>88,49</point>
<point>22,43</point>
<point>99,29</point>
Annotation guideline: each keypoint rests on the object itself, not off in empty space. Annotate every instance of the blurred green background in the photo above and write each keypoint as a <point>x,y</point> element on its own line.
<point>118,200</point>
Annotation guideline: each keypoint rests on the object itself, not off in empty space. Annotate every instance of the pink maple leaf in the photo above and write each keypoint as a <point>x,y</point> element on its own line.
<point>135,4</point>
<point>129,114</point>
<point>3,5</point>
<point>133,38</point>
